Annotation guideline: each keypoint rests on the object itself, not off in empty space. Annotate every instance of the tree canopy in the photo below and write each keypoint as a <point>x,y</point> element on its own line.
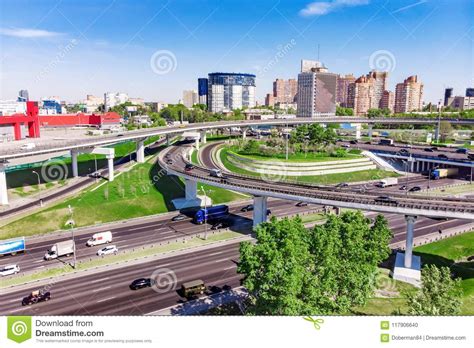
<point>326,270</point>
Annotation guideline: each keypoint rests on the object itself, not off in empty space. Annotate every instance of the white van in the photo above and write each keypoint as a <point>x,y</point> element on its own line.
<point>100,238</point>
<point>216,173</point>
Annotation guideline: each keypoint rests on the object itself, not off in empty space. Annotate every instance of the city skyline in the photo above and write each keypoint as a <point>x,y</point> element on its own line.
<point>98,51</point>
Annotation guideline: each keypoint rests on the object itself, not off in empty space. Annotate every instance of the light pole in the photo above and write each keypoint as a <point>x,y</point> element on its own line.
<point>95,173</point>
<point>205,212</point>
<point>39,188</point>
<point>439,122</point>
<point>71,224</point>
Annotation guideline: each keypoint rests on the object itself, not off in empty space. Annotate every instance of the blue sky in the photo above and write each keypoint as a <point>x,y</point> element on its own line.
<point>155,49</point>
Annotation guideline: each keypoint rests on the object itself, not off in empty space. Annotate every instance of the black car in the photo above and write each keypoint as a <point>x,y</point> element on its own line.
<point>141,283</point>
<point>353,142</point>
<point>247,208</point>
<point>368,143</point>
<point>219,225</point>
<point>169,162</point>
<point>404,151</point>
<point>269,212</point>
<point>442,156</point>
<point>403,187</point>
<point>386,199</point>
<point>427,149</point>
<point>35,297</point>
<point>188,167</point>
<point>342,184</point>
<point>415,189</point>
<point>179,217</point>
<point>301,204</point>
<point>462,150</point>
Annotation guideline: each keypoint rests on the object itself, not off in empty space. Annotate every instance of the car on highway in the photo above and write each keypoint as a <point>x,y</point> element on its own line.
<point>346,146</point>
<point>462,150</point>
<point>111,249</point>
<point>142,283</point>
<point>193,288</point>
<point>9,270</point>
<point>442,156</point>
<point>302,204</point>
<point>35,297</point>
<point>434,148</point>
<point>404,152</point>
<point>404,187</point>
<point>342,185</point>
<point>95,175</point>
<point>216,173</point>
<point>353,142</point>
<point>169,162</point>
<point>471,156</point>
<point>219,225</point>
<point>415,189</point>
<point>368,143</point>
<point>188,167</point>
<point>386,199</point>
<point>247,208</point>
<point>179,217</point>
<point>428,149</point>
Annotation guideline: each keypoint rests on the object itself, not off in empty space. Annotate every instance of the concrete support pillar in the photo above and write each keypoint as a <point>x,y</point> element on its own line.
<point>75,168</point>
<point>412,166</point>
<point>417,166</point>
<point>369,132</point>
<point>191,189</point>
<point>167,140</point>
<point>3,185</point>
<point>203,137</point>
<point>337,210</point>
<point>110,163</point>
<point>423,166</point>
<point>197,144</point>
<point>259,210</point>
<point>358,128</point>
<point>244,133</point>
<point>409,240</point>
<point>141,151</point>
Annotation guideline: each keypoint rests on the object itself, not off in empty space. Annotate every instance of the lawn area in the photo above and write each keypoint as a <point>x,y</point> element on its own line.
<point>143,190</point>
<point>364,175</point>
<point>451,252</point>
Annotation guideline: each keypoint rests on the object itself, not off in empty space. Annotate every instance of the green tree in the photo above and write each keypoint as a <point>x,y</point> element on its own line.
<point>445,130</point>
<point>439,294</point>
<point>293,271</point>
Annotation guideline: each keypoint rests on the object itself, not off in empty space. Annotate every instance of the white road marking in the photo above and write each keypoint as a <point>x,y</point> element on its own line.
<point>106,299</point>
<point>17,310</point>
<point>99,280</point>
<point>37,261</point>
<point>15,300</point>
<point>217,253</point>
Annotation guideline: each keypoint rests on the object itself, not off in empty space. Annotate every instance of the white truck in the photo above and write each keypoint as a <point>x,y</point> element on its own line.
<point>65,248</point>
<point>100,238</point>
<point>387,182</point>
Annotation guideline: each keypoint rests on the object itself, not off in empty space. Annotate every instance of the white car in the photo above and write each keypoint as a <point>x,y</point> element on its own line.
<point>111,249</point>
<point>9,270</point>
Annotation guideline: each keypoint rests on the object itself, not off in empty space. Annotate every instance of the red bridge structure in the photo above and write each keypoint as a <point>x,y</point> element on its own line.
<point>31,119</point>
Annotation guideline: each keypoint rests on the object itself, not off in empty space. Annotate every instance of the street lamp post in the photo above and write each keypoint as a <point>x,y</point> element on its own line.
<point>205,213</point>
<point>39,188</point>
<point>439,122</point>
<point>71,224</point>
<point>95,173</point>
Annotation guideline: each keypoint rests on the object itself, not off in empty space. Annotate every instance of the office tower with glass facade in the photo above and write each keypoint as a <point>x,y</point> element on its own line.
<point>230,91</point>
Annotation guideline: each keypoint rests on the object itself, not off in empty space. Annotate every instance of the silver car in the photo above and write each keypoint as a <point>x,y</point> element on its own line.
<point>9,270</point>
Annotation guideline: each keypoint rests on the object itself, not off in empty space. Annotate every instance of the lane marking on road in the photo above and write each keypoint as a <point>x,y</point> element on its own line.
<point>16,310</point>
<point>40,267</point>
<point>99,280</point>
<point>37,261</point>
<point>15,300</point>
<point>101,289</point>
<point>231,267</point>
<point>216,253</point>
<point>106,299</point>
<point>221,260</point>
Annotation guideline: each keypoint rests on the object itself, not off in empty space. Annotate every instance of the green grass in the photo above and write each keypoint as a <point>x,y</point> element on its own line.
<point>312,217</point>
<point>194,157</point>
<point>365,175</point>
<point>119,258</point>
<point>297,157</point>
<point>143,190</point>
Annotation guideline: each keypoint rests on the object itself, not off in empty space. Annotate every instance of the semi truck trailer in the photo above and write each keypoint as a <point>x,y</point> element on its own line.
<point>441,173</point>
<point>12,246</point>
<point>211,214</point>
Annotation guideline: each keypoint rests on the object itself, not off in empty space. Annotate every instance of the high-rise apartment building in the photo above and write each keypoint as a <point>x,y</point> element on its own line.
<point>316,91</point>
<point>361,95</point>
<point>112,99</point>
<point>284,91</point>
<point>469,92</point>
<point>379,80</point>
<point>388,100</point>
<point>343,83</point>
<point>269,100</point>
<point>230,91</point>
<point>409,95</point>
<point>190,98</point>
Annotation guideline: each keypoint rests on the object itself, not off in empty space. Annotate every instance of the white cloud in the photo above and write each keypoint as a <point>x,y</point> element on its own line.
<point>28,33</point>
<point>320,8</point>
